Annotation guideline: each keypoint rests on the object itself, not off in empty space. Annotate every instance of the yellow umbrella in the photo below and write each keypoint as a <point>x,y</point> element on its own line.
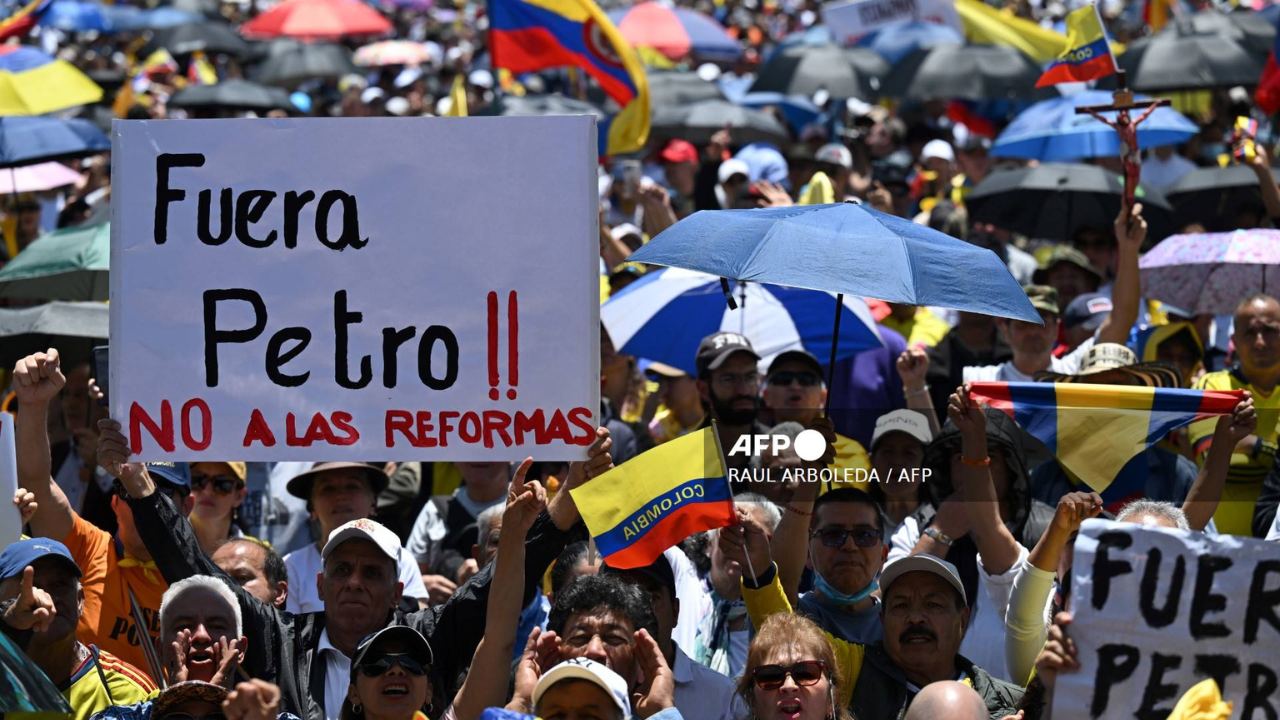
<point>33,83</point>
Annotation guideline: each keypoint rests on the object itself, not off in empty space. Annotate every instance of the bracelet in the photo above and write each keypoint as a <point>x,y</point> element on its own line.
<point>937,535</point>
<point>798,511</point>
<point>910,393</point>
<point>975,463</point>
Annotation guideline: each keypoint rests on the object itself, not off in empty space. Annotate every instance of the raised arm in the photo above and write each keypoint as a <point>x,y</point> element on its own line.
<point>1261,164</point>
<point>1202,500</point>
<point>37,380</point>
<point>791,538</point>
<point>486,683</point>
<point>913,367</point>
<point>996,545</point>
<point>1130,230</point>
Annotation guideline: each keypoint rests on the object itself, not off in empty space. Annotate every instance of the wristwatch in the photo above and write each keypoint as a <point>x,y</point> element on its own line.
<point>937,535</point>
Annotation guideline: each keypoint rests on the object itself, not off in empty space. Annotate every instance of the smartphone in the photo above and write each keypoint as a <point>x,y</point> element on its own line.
<point>102,370</point>
<point>632,172</point>
<point>1246,129</point>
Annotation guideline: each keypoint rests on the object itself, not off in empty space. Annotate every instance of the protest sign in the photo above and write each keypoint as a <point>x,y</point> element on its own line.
<point>1157,610</point>
<point>355,289</point>
<point>852,19</point>
<point>10,520</point>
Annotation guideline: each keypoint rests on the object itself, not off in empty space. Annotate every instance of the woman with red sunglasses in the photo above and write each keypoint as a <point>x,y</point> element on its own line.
<point>792,673</point>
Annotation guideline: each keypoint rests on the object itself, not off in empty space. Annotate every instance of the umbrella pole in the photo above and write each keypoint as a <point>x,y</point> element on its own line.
<point>831,366</point>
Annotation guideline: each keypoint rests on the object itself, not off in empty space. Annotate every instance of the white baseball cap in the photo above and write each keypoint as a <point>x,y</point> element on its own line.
<point>625,229</point>
<point>910,422</point>
<point>922,563</point>
<point>938,149</point>
<point>731,167</point>
<point>592,672</point>
<point>834,153</point>
<point>364,529</point>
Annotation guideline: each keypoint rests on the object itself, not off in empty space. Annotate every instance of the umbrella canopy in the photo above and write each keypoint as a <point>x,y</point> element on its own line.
<point>206,37</point>
<point>77,16</point>
<point>542,105</point>
<point>896,43</point>
<point>699,121</point>
<point>67,264</point>
<point>675,32</point>
<point>71,327</point>
<point>806,69</point>
<point>1051,130</point>
<point>679,88</point>
<point>797,110</point>
<point>318,19</point>
<point>966,72</point>
<point>665,314</point>
<point>232,95</point>
<point>35,178</point>
<point>33,83</point>
<point>1212,272</point>
<point>31,140</point>
<point>1053,200</point>
<point>1213,196</point>
<point>1247,28</point>
<point>1178,58</point>
<point>24,688</point>
<point>842,248</point>
<point>290,66</point>
<point>392,52</point>
<point>161,17</point>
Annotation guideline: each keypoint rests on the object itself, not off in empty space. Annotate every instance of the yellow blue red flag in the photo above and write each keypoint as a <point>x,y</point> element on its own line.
<point>1088,56</point>
<point>533,35</point>
<point>21,22</point>
<point>1095,430</point>
<point>656,499</point>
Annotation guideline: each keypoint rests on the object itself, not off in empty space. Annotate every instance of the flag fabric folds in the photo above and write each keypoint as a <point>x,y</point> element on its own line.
<point>533,35</point>
<point>1088,56</point>
<point>21,22</point>
<point>657,499</point>
<point>1268,93</point>
<point>1094,430</point>
<point>986,25</point>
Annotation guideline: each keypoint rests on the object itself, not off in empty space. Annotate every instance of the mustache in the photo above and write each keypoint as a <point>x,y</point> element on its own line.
<point>916,632</point>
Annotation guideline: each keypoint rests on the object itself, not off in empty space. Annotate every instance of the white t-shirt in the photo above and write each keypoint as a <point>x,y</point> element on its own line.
<point>337,676</point>
<point>1068,364</point>
<point>304,564</point>
<point>695,603</point>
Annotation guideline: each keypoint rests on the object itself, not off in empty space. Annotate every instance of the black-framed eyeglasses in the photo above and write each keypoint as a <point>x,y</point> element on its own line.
<point>383,663</point>
<point>863,537</point>
<point>804,673</point>
<point>222,484</point>
<point>786,377</point>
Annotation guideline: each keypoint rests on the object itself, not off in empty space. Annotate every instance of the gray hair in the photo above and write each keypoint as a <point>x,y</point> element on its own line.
<point>1156,509</point>
<point>790,429</point>
<point>207,582</point>
<point>484,522</point>
<point>772,515</point>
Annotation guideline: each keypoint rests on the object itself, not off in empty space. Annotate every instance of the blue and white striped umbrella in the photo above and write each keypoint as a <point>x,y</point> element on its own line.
<point>665,314</point>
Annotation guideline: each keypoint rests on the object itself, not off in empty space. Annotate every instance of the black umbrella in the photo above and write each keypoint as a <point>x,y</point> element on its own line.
<point>698,122</point>
<point>1213,196</point>
<point>292,65</point>
<point>1053,200</point>
<point>71,327</point>
<point>680,88</point>
<point>542,105</point>
<point>806,69</point>
<point>1244,26</point>
<point>208,8</point>
<point>966,72</point>
<point>232,95</point>
<point>1179,58</point>
<point>207,37</point>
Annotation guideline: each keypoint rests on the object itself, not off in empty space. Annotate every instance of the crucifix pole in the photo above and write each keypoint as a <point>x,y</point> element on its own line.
<point>1127,129</point>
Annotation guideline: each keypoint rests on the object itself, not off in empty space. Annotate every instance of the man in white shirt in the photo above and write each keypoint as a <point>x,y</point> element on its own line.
<point>337,493</point>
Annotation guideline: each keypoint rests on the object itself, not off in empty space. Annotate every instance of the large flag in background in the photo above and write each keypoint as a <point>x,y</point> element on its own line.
<point>533,35</point>
<point>657,499</point>
<point>1094,430</point>
<point>1268,93</point>
<point>21,22</point>
<point>1088,57</point>
<point>986,25</point>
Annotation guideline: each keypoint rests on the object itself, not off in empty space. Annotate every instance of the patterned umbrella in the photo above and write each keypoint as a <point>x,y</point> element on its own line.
<point>33,83</point>
<point>675,32</point>
<point>392,52</point>
<point>1212,272</point>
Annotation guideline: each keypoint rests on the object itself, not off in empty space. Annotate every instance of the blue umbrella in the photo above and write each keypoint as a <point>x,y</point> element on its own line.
<point>798,110</point>
<point>161,17</point>
<point>30,140</point>
<point>665,314</point>
<point>76,16</point>
<point>896,42</point>
<point>1052,131</point>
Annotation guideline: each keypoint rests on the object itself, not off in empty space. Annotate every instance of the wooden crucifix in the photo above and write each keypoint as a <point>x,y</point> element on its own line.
<point>1127,129</point>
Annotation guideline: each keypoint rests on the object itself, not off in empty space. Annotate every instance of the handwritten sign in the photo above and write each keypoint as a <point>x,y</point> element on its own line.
<point>1156,611</point>
<point>852,19</point>
<point>355,289</point>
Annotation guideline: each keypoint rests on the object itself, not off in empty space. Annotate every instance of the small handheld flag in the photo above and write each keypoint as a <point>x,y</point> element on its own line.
<point>1088,56</point>
<point>657,499</point>
<point>1094,430</point>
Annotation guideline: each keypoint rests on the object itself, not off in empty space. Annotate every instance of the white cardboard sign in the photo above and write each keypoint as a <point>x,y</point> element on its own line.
<point>10,520</point>
<point>1156,611</point>
<point>851,19</point>
<point>355,289</point>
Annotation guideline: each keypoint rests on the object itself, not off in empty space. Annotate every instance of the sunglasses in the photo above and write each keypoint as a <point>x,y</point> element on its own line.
<point>835,537</point>
<point>374,668</point>
<point>804,673</point>
<point>782,379</point>
<point>222,484</point>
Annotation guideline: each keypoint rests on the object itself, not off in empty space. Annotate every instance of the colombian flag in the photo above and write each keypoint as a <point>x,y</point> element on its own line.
<point>21,22</point>
<point>1268,93</point>
<point>1088,57</point>
<point>533,35</point>
<point>1094,430</point>
<point>655,500</point>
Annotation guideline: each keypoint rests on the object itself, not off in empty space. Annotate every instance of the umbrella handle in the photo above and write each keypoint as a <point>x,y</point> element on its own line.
<point>728,294</point>
<point>831,366</point>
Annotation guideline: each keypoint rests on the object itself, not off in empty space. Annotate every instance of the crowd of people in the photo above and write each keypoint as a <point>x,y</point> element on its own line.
<point>406,590</point>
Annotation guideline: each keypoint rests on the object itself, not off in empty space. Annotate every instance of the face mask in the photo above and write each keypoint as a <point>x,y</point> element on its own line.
<point>821,585</point>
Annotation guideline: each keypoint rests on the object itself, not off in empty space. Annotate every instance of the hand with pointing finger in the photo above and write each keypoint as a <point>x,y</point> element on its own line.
<point>34,608</point>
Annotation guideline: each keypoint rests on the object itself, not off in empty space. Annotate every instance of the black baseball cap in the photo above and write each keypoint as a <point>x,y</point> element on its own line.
<point>375,644</point>
<point>717,347</point>
<point>799,356</point>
